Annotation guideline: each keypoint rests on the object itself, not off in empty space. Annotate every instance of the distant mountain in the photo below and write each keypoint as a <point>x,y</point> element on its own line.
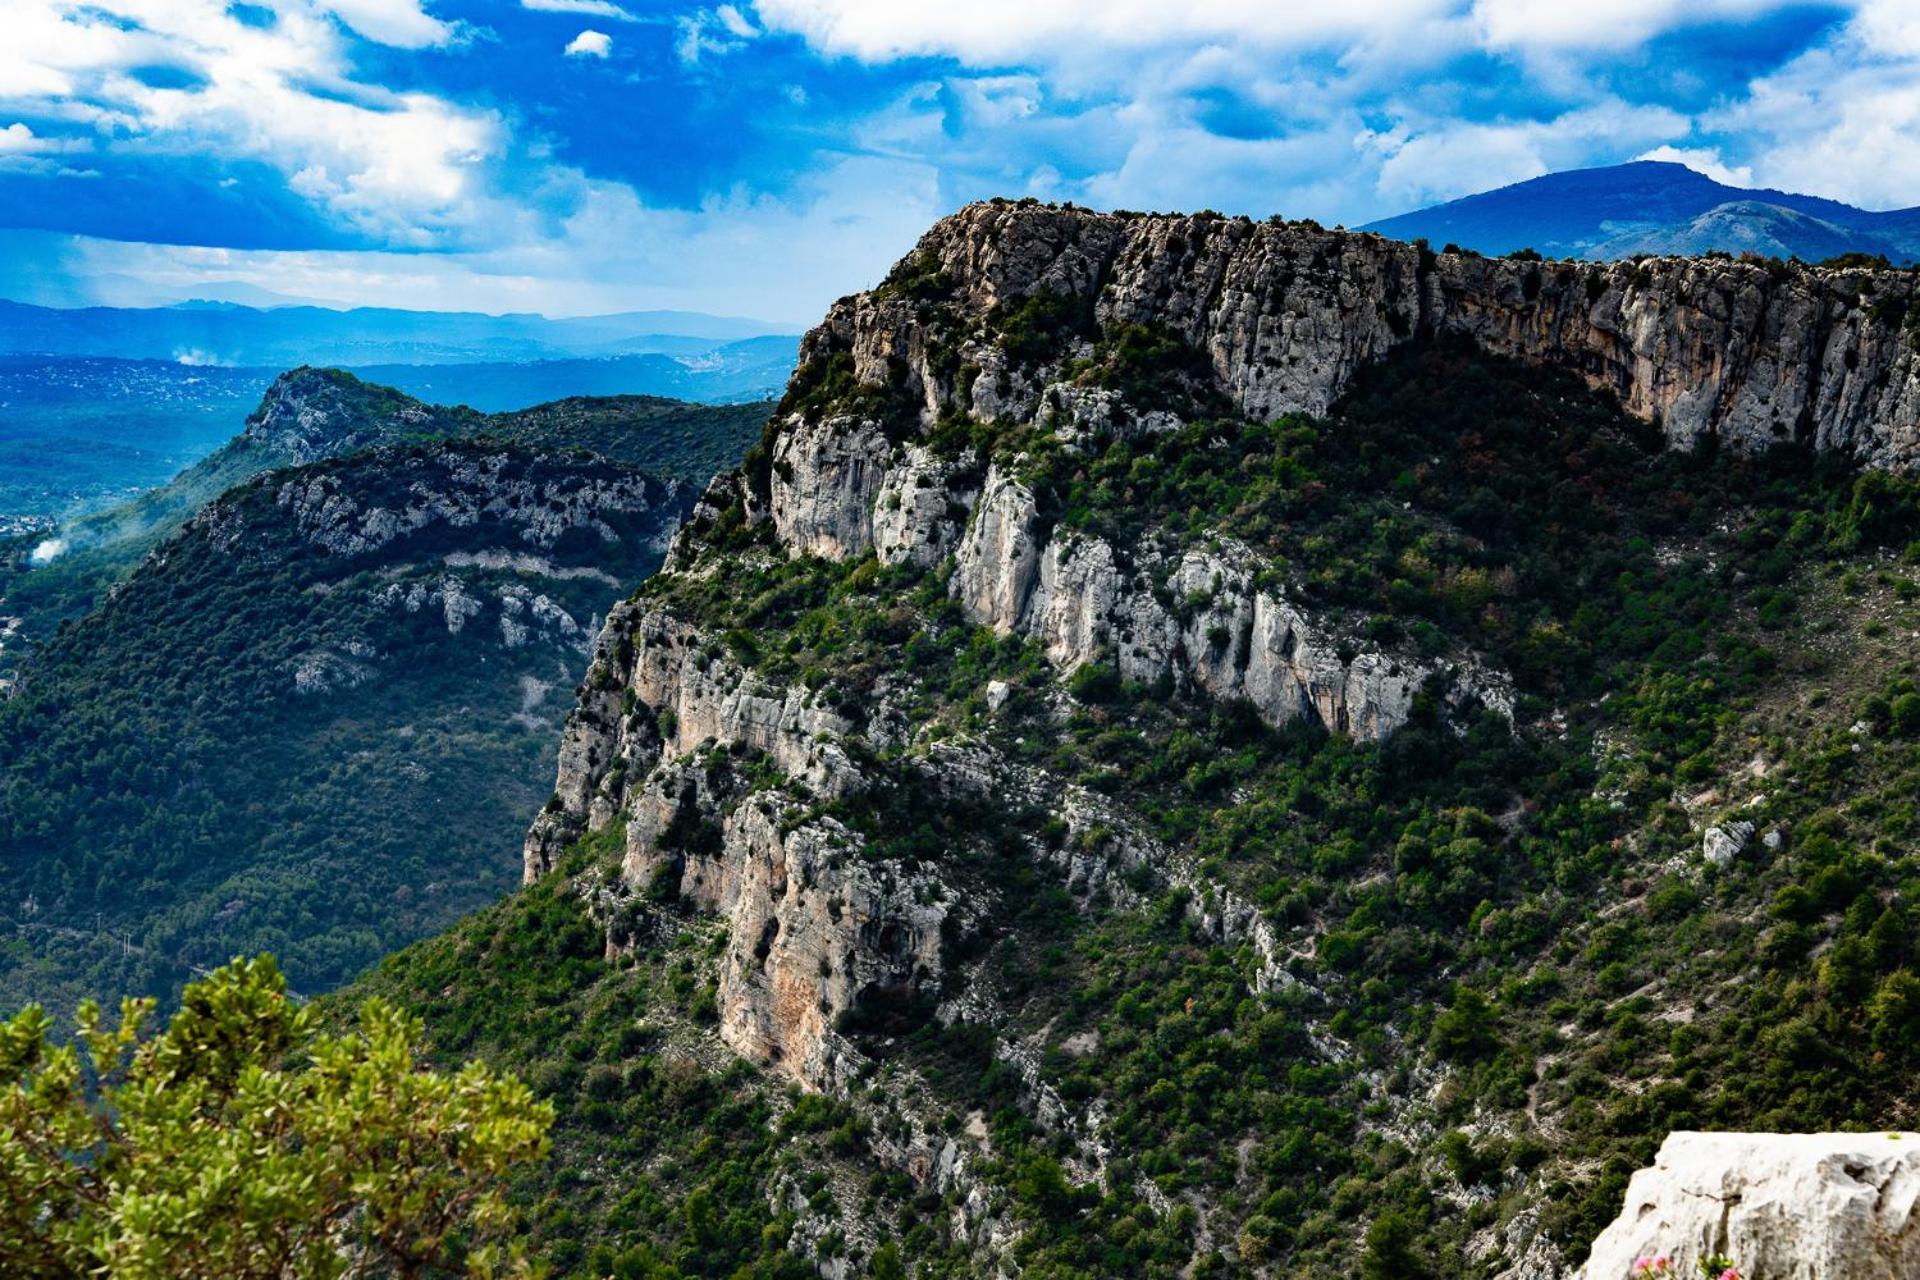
<point>80,433</point>
<point>227,333</point>
<point>310,415</point>
<point>751,369</point>
<point>1659,208</point>
<point>334,655</point>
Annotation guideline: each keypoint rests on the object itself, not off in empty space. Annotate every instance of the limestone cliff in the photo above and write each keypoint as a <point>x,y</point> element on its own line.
<point>836,721</point>
<point>1286,313</point>
<point>309,414</point>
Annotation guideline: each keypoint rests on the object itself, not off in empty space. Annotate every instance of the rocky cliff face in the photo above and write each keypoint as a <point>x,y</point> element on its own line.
<point>499,538</point>
<point>866,821</point>
<point>1287,313</point>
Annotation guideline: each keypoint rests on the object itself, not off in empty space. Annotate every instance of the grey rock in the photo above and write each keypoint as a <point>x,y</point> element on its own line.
<point>1724,843</point>
<point>1785,1206</point>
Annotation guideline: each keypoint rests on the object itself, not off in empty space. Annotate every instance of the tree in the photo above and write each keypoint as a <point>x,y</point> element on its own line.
<point>1390,1254</point>
<point>244,1143</point>
<point>1466,1031</point>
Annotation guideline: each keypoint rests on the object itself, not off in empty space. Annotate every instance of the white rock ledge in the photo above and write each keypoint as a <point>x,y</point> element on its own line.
<point>1782,1206</point>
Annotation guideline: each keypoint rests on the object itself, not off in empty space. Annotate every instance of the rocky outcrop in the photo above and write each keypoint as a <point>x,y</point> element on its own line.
<point>1287,313</point>
<point>310,414</point>
<point>818,934</point>
<point>1812,1206</point>
<point>820,931</point>
<point>1198,617</point>
<point>460,486</point>
<point>656,693</point>
<point>923,506</point>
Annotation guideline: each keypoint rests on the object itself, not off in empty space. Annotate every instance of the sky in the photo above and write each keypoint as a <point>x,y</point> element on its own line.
<point>763,157</point>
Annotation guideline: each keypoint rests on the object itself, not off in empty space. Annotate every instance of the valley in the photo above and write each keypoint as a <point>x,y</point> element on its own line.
<point>336,652</point>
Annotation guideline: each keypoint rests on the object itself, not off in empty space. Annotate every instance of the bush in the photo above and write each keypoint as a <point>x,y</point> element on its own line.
<point>240,1138</point>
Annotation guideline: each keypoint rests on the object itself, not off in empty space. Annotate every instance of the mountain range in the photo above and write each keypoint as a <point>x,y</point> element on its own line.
<point>231,334</point>
<point>1183,747</point>
<point>1656,207</point>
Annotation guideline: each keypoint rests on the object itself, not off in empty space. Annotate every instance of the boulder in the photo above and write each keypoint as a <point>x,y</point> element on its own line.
<point>1724,843</point>
<point>1781,1206</point>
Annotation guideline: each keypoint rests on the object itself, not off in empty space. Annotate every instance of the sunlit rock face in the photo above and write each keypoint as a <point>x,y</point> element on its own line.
<point>1783,1206</point>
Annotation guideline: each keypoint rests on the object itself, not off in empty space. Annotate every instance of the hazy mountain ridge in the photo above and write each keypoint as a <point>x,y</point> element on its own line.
<point>228,333</point>
<point>309,414</point>
<point>1654,207</point>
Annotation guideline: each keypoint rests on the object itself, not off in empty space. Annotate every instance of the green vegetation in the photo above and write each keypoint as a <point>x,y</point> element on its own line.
<point>172,797</point>
<point>1507,929</point>
<point>239,1143</point>
<point>661,1154</point>
<point>1502,968</point>
<point>256,744</point>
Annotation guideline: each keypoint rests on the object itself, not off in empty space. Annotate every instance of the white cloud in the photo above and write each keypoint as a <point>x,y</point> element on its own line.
<point>1703,160</point>
<point>720,31</point>
<point>1841,120</point>
<point>590,44</point>
<point>404,167</point>
<point>18,139</point>
<point>733,20</point>
<point>1617,24</point>
<point>401,23</point>
<point>1002,31</point>
<point>593,8</point>
<point>735,254</point>
<point>1451,159</point>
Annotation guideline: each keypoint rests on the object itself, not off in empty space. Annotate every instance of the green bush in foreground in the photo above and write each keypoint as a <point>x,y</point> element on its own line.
<point>241,1142</point>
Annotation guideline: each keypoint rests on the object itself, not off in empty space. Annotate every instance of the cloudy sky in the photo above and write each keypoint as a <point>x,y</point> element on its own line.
<point>762,157</point>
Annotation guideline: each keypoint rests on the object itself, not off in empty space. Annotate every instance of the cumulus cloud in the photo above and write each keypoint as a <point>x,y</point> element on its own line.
<point>1703,160</point>
<point>19,139</point>
<point>590,44</point>
<point>1842,121</point>
<point>405,168</point>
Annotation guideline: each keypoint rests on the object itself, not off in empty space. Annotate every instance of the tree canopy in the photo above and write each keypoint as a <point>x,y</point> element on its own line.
<point>246,1141</point>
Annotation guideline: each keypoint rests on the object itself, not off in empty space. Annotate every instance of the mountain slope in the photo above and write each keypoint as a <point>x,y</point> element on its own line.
<point>1655,207</point>
<point>1208,748</point>
<point>310,414</point>
<point>311,721</point>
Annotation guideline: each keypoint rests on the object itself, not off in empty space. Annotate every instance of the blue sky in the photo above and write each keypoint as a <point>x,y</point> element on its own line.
<point>761,158</point>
